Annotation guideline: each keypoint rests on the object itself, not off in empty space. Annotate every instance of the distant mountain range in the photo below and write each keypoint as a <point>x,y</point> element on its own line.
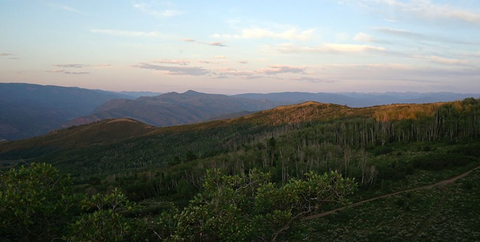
<point>28,110</point>
<point>358,99</point>
<point>175,108</point>
<point>140,94</point>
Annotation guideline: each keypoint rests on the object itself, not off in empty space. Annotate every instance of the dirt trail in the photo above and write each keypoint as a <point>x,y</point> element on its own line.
<point>441,183</point>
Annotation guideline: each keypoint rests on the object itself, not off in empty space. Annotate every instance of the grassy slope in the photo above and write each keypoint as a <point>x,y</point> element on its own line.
<point>95,134</point>
<point>129,141</point>
<point>440,214</point>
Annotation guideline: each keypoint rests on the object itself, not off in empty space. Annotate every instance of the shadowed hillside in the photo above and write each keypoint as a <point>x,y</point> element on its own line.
<point>173,108</point>
<point>28,110</point>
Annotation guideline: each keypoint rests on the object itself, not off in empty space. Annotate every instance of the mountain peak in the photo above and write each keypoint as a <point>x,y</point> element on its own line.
<point>192,92</point>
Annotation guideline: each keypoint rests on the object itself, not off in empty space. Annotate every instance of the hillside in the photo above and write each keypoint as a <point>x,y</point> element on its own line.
<point>28,110</point>
<point>209,138</point>
<point>397,154</point>
<point>87,135</point>
<point>99,133</point>
<point>173,108</point>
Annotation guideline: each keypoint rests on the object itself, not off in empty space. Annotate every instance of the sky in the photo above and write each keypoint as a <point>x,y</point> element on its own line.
<point>244,46</point>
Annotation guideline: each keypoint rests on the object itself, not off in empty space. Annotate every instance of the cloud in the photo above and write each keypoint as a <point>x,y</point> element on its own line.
<point>174,62</point>
<point>421,9</point>
<point>329,48</point>
<point>206,62</point>
<point>313,80</point>
<point>62,67</point>
<point>77,73</point>
<point>362,37</point>
<point>446,61</point>
<point>247,74</point>
<point>66,8</point>
<point>5,54</point>
<point>217,44</point>
<point>69,72</point>
<point>129,33</point>
<point>102,66</point>
<point>259,33</point>
<point>148,9</point>
<point>276,69</point>
<point>402,33</point>
<point>401,73</point>
<point>243,62</point>
<point>71,9</point>
<point>175,70</point>
<point>57,71</point>
<point>71,65</point>
<point>220,57</point>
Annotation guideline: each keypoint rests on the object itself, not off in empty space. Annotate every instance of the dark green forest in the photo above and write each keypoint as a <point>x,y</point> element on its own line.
<point>256,178</point>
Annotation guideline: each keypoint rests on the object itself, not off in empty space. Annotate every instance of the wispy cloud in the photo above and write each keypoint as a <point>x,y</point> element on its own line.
<point>71,9</point>
<point>174,70</point>
<point>206,62</point>
<point>254,74</point>
<point>71,65</point>
<point>77,73</point>
<point>5,54</point>
<point>402,33</point>
<point>328,48</point>
<point>228,72</point>
<point>102,66</point>
<point>362,37</point>
<point>276,69</point>
<point>57,71</point>
<point>313,80</point>
<point>66,8</point>
<point>149,9</point>
<point>422,9</point>
<point>217,44</point>
<point>243,62</point>
<point>154,34</point>
<point>259,33</point>
<point>446,61</point>
<point>220,57</point>
<point>69,72</point>
<point>63,68</point>
<point>174,62</point>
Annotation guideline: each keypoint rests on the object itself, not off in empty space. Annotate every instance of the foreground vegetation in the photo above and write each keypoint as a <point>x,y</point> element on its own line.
<point>37,204</point>
<point>254,178</point>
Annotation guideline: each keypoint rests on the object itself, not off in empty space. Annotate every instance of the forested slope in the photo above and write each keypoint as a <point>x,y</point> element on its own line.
<point>384,148</point>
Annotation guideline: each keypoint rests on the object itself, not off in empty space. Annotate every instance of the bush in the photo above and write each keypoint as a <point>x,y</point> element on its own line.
<point>383,150</point>
<point>394,170</point>
<point>436,162</point>
<point>36,203</point>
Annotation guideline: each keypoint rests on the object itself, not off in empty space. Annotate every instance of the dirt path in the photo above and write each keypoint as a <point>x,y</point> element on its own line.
<point>441,183</point>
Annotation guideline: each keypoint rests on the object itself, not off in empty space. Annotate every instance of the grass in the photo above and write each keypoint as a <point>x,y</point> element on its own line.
<point>449,214</point>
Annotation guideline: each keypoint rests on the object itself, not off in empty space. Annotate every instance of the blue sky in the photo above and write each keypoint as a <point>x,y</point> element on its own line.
<point>243,46</point>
